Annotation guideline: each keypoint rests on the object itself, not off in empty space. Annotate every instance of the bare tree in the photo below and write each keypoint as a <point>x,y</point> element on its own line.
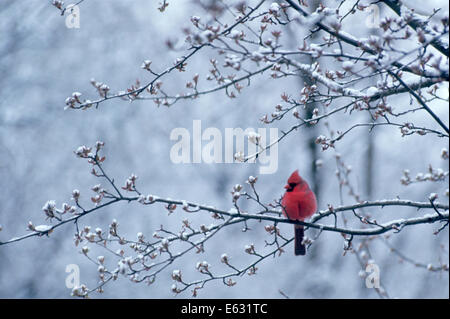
<point>349,81</point>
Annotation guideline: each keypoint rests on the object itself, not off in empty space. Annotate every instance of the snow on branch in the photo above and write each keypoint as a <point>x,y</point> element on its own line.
<point>419,23</point>
<point>139,269</point>
<point>340,74</point>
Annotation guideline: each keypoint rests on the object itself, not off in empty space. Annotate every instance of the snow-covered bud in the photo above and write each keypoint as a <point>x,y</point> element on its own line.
<point>195,20</point>
<point>66,207</point>
<point>230,282</point>
<point>176,275</point>
<point>90,237</point>
<point>97,188</point>
<point>347,66</point>
<point>103,89</point>
<point>83,151</point>
<point>171,207</point>
<point>165,244</point>
<point>97,199</point>
<point>237,35</point>
<point>252,180</point>
<point>85,250</point>
<point>99,144</point>
<point>80,291</point>
<point>250,249</point>
<point>185,205</point>
<point>98,231</point>
<point>306,241</point>
<point>75,194</point>
<point>186,223</point>
<point>203,228</point>
<point>202,267</point>
<point>257,56</point>
<point>58,3</point>
<point>146,65</point>
<point>175,289</point>
<point>183,236</point>
<point>141,199</point>
<point>30,226</point>
<point>130,183</point>
<point>320,139</point>
<point>271,229</point>
<point>224,258</point>
<point>70,103</point>
<point>76,96</point>
<point>252,271</point>
<point>122,266</point>
<point>316,51</point>
<point>275,9</point>
<point>444,153</point>
<point>315,112</point>
<point>236,196</point>
<point>49,208</point>
<point>113,228</point>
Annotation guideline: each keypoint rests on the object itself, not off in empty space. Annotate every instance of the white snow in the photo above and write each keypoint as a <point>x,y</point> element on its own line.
<point>43,228</point>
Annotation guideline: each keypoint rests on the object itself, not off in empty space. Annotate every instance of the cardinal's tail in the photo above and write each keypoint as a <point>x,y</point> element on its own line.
<point>300,249</point>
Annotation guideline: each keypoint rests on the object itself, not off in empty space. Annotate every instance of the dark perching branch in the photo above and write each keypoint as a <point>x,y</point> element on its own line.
<point>264,216</point>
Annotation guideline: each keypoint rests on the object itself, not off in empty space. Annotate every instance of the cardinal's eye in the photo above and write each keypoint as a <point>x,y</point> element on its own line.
<point>292,185</point>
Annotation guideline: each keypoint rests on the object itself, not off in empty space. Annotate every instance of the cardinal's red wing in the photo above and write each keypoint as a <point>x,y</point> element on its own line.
<point>290,206</point>
<point>307,205</point>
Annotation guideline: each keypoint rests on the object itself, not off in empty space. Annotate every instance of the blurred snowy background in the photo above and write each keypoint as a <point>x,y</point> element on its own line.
<point>42,62</point>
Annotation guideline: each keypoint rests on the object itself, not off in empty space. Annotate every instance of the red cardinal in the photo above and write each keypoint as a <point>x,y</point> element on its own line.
<point>299,203</point>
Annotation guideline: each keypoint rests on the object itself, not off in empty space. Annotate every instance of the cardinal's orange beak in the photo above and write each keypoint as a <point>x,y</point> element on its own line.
<point>287,186</point>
